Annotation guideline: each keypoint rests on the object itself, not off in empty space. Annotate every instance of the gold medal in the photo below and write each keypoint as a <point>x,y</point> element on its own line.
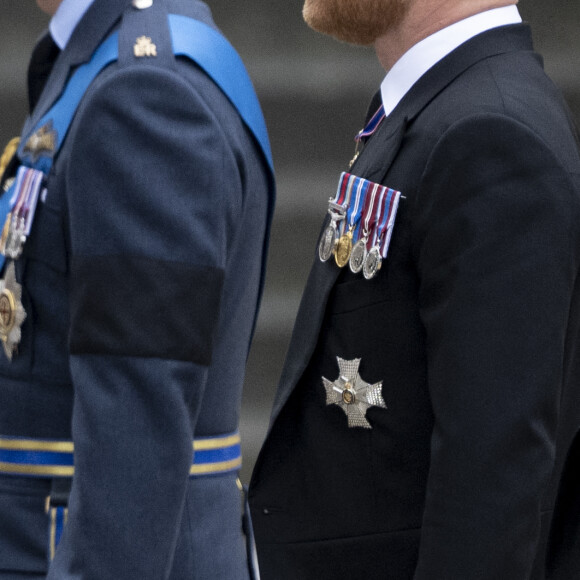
<point>343,249</point>
<point>12,313</point>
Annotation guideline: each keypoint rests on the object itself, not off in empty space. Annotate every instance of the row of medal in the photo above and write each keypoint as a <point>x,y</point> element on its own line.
<point>24,192</point>
<point>28,185</point>
<point>362,216</point>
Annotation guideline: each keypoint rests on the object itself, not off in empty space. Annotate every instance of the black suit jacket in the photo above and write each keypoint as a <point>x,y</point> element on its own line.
<point>472,325</point>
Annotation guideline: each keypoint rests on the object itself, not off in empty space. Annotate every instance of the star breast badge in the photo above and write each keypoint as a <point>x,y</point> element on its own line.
<point>353,395</point>
<point>12,313</point>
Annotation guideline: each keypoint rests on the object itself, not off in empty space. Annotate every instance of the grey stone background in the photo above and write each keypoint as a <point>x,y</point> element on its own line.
<point>314,92</point>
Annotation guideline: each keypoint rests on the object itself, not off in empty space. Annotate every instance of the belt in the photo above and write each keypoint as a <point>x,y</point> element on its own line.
<point>48,458</point>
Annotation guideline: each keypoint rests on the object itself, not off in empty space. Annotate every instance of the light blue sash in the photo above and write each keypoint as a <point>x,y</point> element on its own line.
<point>190,38</point>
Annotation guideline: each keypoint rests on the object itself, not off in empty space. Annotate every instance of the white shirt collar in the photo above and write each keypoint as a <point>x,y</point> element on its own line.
<point>65,20</point>
<point>425,54</point>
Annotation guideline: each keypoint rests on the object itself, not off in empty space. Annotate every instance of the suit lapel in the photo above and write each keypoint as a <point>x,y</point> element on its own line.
<point>373,164</point>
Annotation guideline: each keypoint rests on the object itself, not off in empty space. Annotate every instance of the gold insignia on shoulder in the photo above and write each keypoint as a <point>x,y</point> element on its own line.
<point>9,152</point>
<point>12,313</point>
<point>144,47</point>
<point>41,142</point>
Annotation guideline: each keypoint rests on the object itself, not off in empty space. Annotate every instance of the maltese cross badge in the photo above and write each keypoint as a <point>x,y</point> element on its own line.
<point>353,395</point>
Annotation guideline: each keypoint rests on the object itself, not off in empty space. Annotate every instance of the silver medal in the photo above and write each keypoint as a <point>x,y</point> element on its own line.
<point>358,256</point>
<point>329,237</point>
<point>373,263</point>
<point>327,242</point>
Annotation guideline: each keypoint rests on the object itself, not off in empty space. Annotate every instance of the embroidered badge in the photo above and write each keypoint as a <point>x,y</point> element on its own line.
<point>41,142</point>
<point>12,313</point>
<point>144,47</point>
<point>353,395</point>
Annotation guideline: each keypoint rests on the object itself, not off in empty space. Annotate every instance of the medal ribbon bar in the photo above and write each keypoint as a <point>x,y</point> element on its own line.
<point>355,211</point>
<point>385,230</point>
<point>24,195</point>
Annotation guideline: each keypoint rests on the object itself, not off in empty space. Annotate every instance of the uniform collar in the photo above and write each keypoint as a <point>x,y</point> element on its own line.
<point>97,20</point>
<point>65,20</point>
<point>427,53</point>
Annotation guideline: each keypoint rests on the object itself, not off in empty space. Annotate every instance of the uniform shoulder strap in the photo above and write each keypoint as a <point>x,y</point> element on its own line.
<point>189,38</point>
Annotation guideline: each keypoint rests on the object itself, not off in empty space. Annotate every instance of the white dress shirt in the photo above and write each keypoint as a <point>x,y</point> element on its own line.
<point>427,53</point>
<point>65,20</point>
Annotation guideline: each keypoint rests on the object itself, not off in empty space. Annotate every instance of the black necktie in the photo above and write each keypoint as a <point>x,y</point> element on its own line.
<point>43,57</point>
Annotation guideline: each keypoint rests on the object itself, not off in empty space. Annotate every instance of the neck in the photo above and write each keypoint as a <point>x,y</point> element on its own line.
<point>49,6</point>
<point>424,18</point>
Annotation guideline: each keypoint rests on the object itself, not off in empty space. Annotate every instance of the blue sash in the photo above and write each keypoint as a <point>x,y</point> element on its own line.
<point>192,39</point>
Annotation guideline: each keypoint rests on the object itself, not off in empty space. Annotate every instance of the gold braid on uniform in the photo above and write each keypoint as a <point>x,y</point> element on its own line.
<point>9,152</point>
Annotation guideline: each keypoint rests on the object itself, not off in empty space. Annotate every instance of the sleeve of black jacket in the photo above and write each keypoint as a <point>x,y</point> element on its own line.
<point>153,188</point>
<point>498,254</point>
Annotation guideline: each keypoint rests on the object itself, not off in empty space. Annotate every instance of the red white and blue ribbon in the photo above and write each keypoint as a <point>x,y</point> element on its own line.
<point>348,183</point>
<point>372,125</point>
<point>367,211</point>
<point>384,230</point>
<point>355,210</point>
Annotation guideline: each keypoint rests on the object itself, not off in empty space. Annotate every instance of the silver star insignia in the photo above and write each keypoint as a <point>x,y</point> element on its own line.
<point>353,395</point>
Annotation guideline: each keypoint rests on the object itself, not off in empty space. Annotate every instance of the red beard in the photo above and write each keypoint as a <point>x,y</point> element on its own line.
<point>354,21</point>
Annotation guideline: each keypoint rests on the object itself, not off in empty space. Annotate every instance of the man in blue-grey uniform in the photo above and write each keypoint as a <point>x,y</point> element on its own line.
<point>136,210</point>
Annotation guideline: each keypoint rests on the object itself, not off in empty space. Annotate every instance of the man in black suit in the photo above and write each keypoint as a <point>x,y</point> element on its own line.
<point>426,406</point>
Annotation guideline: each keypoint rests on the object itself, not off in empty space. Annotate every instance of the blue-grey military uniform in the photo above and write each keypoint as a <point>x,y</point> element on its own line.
<point>140,281</point>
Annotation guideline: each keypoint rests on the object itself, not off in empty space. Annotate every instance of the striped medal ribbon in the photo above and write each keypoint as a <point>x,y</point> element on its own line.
<point>387,212</point>
<point>360,250</point>
<point>337,208</point>
<point>344,244</point>
<point>369,130</point>
<point>372,125</point>
<point>24,195</point>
